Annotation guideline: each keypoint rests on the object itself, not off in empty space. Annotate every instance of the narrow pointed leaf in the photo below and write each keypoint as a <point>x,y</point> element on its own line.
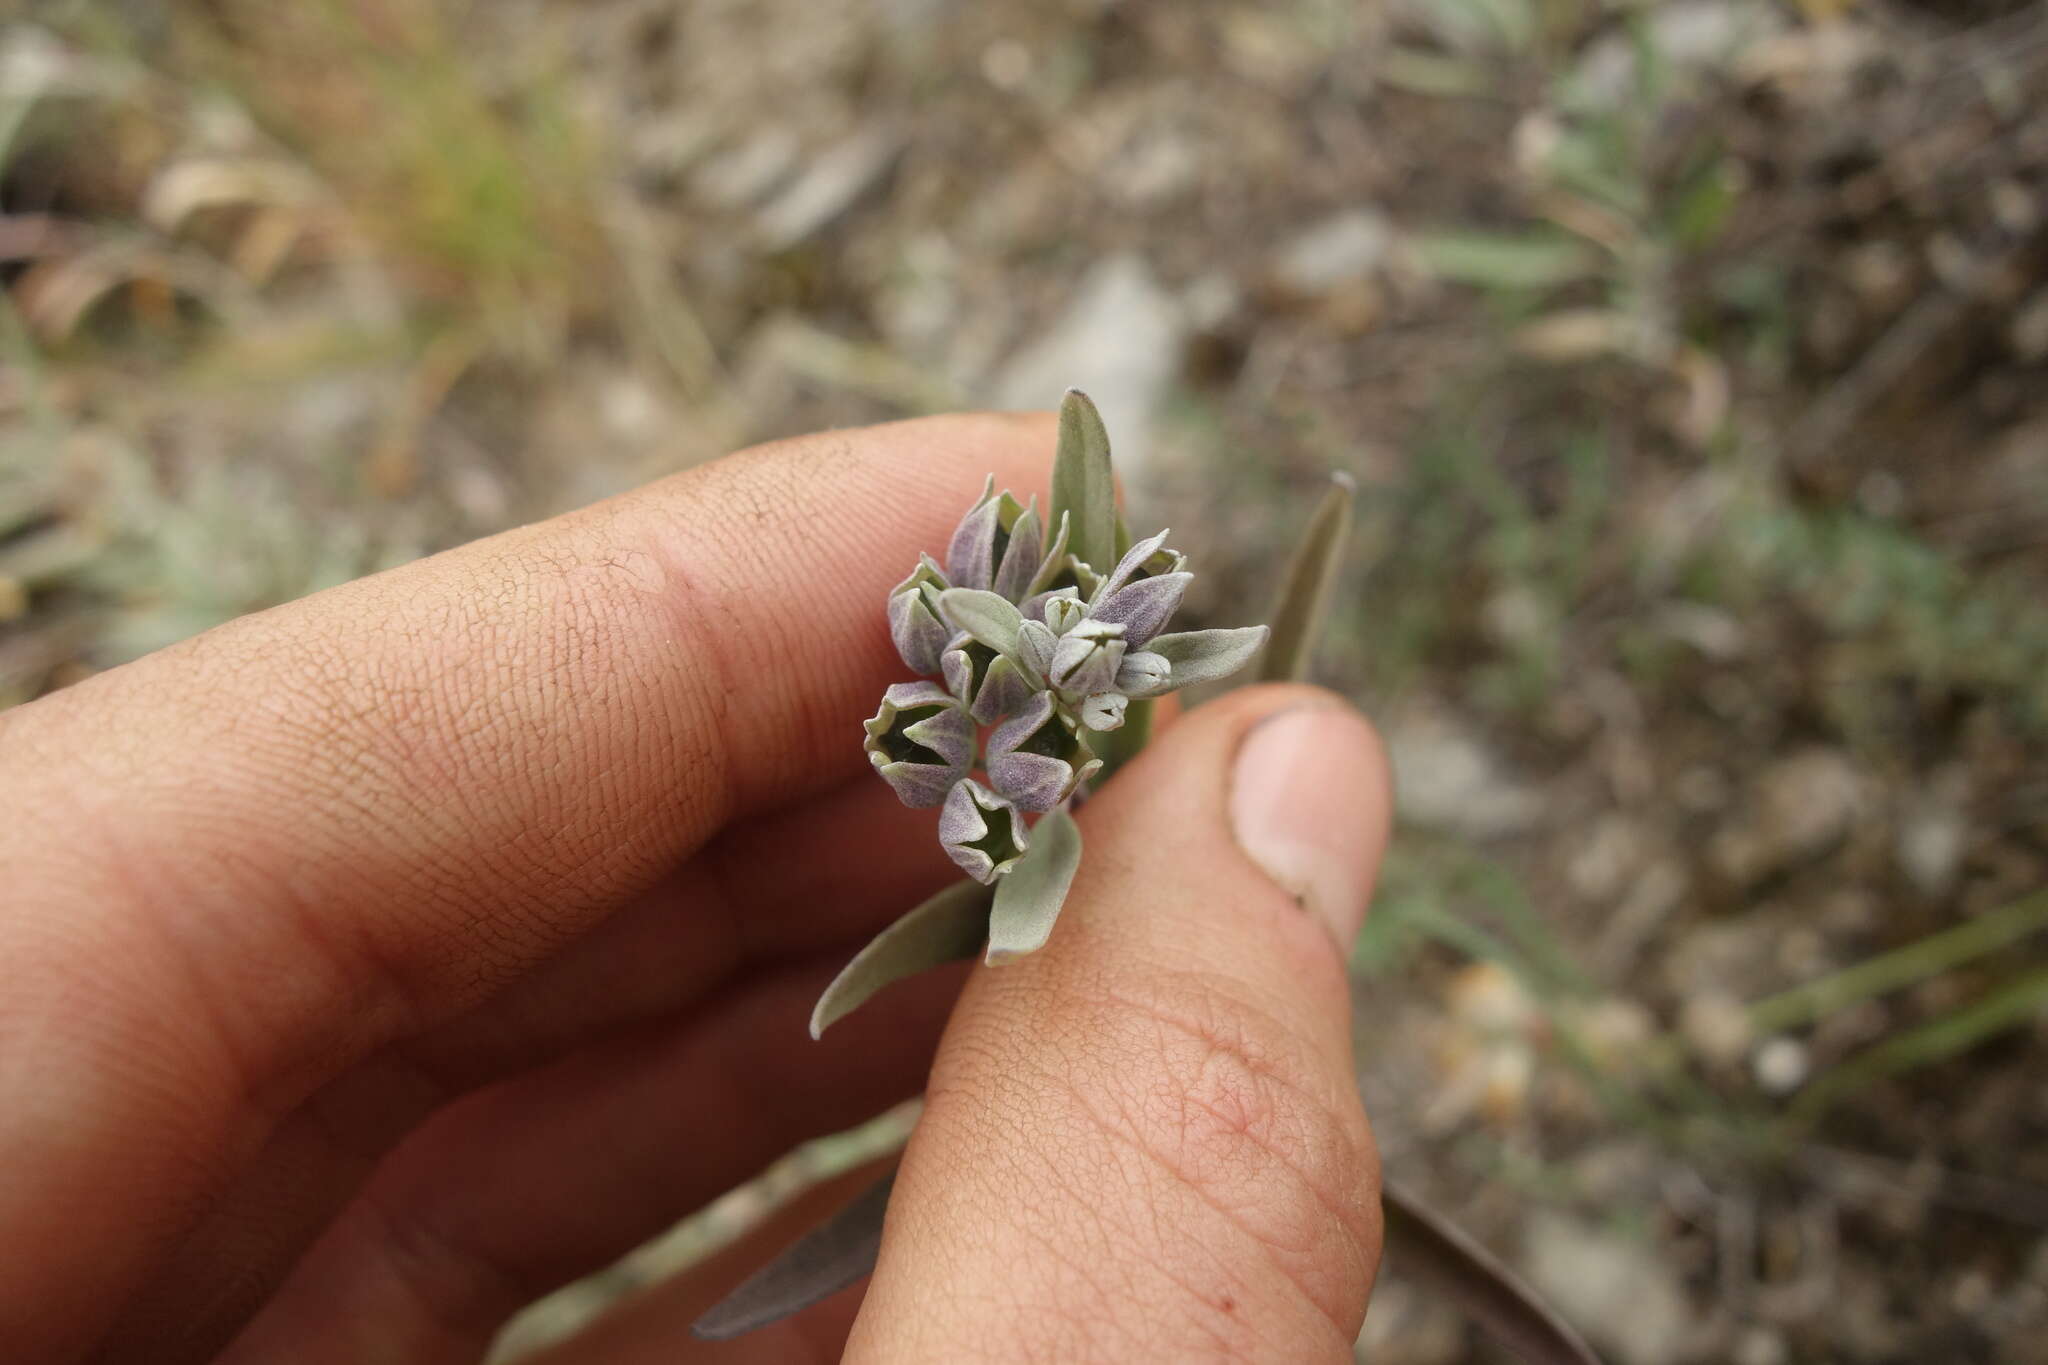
<point>1029,898</point>
<point>948,927</point>
<point>816,1266</point>
<point>992,620</point>
<point>1431,1250</point>
<point>1297,615</point>
<point>1083,489</point>
<point>1195,657</point>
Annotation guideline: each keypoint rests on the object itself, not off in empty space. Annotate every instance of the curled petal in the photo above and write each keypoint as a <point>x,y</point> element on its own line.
<point>1104,711</point>
<point>981,831</point>
<point>1144,607</point>
<point>1003,689</point>
<point>963,664</point>
<point>1036,758</point>
<point>919,634</point>
<point>970,557</point>
<point>921,742</point>
<point>1144,674</point>
<point>980,555</point>
<point>1144,560</point>
<point>1086,658</point>
<point>1020,557</point>
<point>1055,559</point>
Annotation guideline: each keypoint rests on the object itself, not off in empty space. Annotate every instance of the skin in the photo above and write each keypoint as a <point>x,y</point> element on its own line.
<point>381,961</point>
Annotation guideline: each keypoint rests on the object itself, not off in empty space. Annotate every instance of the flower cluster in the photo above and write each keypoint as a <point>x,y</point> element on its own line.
<point>1042,650</point>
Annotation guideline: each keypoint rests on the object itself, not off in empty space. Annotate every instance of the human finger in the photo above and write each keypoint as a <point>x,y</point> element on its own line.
<point>1145,1140</point>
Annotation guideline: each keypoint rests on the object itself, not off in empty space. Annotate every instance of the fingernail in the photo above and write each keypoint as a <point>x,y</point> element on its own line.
<point>1306,804</point>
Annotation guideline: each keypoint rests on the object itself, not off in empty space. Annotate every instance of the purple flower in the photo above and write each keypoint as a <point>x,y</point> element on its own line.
<point>921,741</point>
<point>981,831</point>
<point>1037,757</point>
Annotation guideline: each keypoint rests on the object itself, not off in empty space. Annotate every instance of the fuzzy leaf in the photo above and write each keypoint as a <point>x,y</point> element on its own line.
<point>1028,900</point>
<point>1297,614</point>
<point>946,928</point>
<point>816,1266</point>
<point>1195,657</point>
<point>991,619</point>
<point>1426,1247</point>
<point>1083,489</point>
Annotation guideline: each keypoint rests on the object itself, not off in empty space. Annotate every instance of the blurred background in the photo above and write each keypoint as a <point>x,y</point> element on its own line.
<point>1690,356</point>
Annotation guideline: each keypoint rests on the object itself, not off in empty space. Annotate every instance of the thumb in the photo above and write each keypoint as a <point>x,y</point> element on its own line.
<point>1145,1141</point>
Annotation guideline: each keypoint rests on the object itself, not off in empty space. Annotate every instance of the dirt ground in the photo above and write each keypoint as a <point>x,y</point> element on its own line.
<point>1692,358</point>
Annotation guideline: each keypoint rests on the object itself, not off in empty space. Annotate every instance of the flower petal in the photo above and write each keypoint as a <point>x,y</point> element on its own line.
<point>981,831</point>
<point>970,558</point>
<point>1020,557</point>
<point>1144,673</point>
<point>1134,559</point>
<point>1144,607</point>
<point>1004,688</point>
<point>919,635</point>
<point>1104,711</point>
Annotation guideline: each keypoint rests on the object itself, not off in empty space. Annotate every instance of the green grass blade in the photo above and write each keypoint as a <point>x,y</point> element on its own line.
<point>1930,956</point>
<point>1297,613</point>
<point>2010,1006</point>
<point>1083,486</point>
<point>948,927</point>
<point>1426,1247</point>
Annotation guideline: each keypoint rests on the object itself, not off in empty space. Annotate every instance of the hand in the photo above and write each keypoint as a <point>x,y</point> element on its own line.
<point>376,963</point>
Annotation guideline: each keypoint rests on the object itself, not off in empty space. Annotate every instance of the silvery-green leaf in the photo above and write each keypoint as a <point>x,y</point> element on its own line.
<point>1104,710</point>
<point>990,619</point>
<point>945,928</point>
<point>1083,487</point>
<point>1028,900</point>
<point>1004,688</point>
<point>1143,607</point>
<point>1021,551</point>
<point>1144,673</point>
<point>1202,656</point>
<point>819,1264</point>
<point>1432,1251</point>
<point>1297,614</point>
<point>981,831</point>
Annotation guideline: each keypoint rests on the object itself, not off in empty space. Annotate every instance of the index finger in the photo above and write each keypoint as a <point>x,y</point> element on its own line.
<point>236,865</point>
